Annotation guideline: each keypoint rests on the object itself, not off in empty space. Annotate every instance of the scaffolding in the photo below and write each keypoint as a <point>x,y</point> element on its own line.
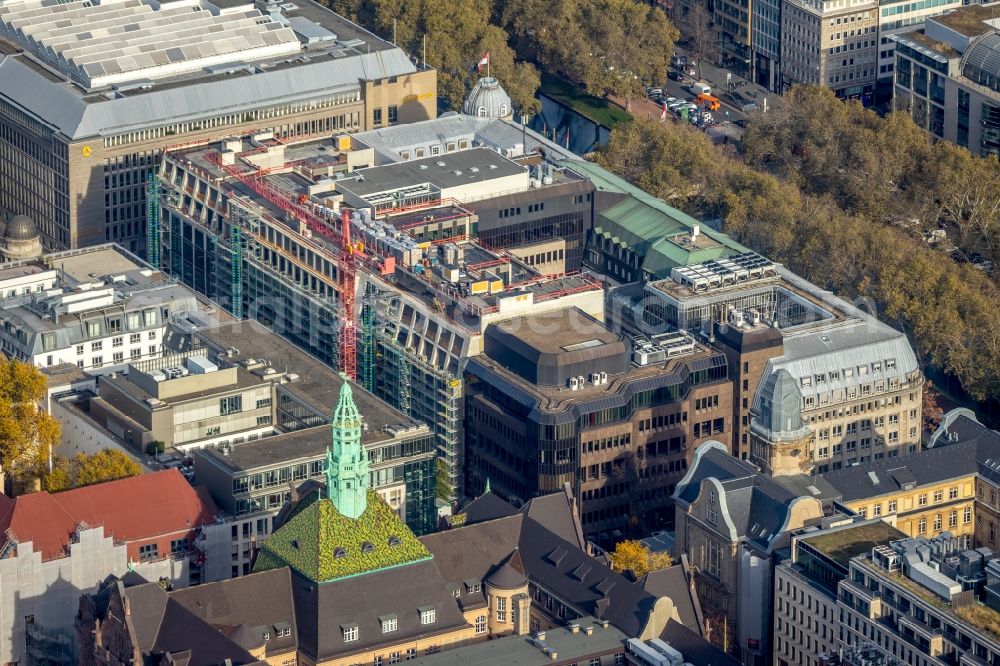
<point>153,218</point>
<point>236,269</point>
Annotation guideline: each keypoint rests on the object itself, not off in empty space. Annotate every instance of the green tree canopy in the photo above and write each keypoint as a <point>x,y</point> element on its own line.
<point>28,434</point>
<point>947,309</point>
<point>86,470</point>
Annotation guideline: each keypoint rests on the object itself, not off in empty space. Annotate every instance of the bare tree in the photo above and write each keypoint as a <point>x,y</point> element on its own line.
<point>700,30</point>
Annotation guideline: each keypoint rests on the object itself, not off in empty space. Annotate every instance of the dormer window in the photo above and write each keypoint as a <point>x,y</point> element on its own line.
<point>390,623</point>
<point>339,553</point>
<point>481,112</point>
<point>394,541</point>
<point>350,632</point>
<point>367,547</point>
<point>428,615</point>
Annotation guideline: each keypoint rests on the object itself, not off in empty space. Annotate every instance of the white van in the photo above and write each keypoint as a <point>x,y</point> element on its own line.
<point>700,88</point>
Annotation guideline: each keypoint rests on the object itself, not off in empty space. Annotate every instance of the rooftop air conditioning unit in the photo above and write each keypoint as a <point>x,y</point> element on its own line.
<point>574,384</point>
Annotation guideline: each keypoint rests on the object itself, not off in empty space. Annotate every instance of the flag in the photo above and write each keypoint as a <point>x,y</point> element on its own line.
<point>663,112</point>
<point>484,61</point>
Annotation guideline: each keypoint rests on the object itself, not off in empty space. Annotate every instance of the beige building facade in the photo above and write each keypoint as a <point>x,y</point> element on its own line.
<point>832,43</point>
<point>79,151</point>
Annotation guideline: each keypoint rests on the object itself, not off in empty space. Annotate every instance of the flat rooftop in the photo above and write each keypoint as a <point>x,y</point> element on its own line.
<point>922,41</point>
<point>526,651</point>
<point>317,385</point>
<point>971,20</point>
<point>842,544</point>
<point>289,448</point>
<point>560,331</point>
<point>476,165</point>
<point>130,44</point>
<point>559,398</point>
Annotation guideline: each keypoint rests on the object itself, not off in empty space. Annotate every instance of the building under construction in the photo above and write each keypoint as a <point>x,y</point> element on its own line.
<point>370,269</point>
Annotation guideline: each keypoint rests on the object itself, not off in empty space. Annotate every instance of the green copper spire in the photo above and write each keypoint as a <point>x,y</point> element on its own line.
<point>488,490</point>
<point>346,459</point>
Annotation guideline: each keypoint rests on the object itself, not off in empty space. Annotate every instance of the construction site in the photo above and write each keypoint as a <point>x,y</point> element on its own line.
<point>317,243</point>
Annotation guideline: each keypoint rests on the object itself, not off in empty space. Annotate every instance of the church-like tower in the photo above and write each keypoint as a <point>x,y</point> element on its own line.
<point>346,459</point>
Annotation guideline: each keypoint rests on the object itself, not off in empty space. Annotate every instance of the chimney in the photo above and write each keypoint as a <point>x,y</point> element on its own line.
<point>574,628</point>
<point>695,232</point>
<point>589,630</point>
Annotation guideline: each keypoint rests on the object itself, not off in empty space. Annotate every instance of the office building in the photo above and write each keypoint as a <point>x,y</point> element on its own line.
<point>60,545</point>
<point>831,43</point>
<point>99,309</point>
<point>424,292</point>
<point>732,19</point>
<point>558,398</point>
<point>820,384</point>
<point>765,45</point>
<point>249,477</point>
<point>950,487</point>
<point>93,93</point>
<point>731,520</point>
<point>897,18</point>
<point>805,587</point>
<point>919,602</point>
<point>948,77</point>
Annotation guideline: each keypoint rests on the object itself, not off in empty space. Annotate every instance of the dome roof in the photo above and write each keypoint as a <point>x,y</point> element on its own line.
<point>21,228</point>
<point>488,99</point>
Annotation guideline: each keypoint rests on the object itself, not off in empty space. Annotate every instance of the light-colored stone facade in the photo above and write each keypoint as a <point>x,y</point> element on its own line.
<point>832,43</point>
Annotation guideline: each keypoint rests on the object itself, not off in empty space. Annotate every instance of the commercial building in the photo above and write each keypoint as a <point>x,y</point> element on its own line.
<point>916,601</point>
<point>831,43</point>
<point>765,44</point>
<point>58,546</point>
<point>251,477</point>
<point>732,19</point>
<point>93,93</point>
<point>805,587</point>
<point>425,293</point>
<point>819,383</point>
<point>99,308</point>
<point>949,488</point>
<point>948,77</point>
<point>558,398</point>
<point>901,17</point>
<point>731,520</point>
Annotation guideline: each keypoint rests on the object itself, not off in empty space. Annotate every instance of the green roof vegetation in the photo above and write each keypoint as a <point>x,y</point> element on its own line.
<point>841,545</point>
<point>322,544</point>
<point>601,111</point>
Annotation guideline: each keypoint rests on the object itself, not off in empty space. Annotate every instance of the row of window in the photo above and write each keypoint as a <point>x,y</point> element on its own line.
<point>389,624</point>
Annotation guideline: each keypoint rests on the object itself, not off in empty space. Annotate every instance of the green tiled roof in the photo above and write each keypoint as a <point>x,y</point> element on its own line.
<point>643,223</point>
<point>312,539</point>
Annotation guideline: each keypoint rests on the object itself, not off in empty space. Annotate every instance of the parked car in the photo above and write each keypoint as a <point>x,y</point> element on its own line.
<point>654,92</point>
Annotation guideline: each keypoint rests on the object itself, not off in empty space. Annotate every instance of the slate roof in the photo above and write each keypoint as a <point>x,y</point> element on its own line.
<point>554,511</point>
<point>323,609</point>
<point>976,451</point>
<point>471,553</point>
<point>487,506</point>
<point>757,505</point>
<point>245,607</point>
<point>164,626</point>
<point>132,509</point>
<point>673,582</point>
<point>696,650</point>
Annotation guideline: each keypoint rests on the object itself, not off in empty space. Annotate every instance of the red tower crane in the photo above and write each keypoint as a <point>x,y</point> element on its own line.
<point>341,239</point>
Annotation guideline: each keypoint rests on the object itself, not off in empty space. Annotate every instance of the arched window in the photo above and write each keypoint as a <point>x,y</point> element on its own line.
<point>503,110</point>
<point>481,112</point>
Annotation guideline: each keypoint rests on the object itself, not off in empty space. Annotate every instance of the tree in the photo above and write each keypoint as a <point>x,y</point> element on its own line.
<point>633,556</point>
<point>702,34</point>
<point>443,489</point>
<point>931,410</point>
<point>28,434</point>
<point>86,470</point>
<point>627,52</point>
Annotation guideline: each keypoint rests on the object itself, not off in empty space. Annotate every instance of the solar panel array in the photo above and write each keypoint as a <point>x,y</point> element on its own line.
<point>723,272</point>
<point>122,40</point>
